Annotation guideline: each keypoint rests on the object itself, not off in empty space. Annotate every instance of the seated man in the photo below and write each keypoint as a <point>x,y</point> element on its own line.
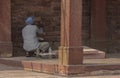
<point>30,39</point>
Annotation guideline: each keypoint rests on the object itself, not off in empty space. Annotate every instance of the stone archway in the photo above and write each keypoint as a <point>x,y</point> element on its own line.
<point>46,11</point>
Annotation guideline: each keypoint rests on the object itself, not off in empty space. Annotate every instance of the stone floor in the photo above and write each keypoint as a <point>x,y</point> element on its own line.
<point>15,72</point>
<point>110,59</point>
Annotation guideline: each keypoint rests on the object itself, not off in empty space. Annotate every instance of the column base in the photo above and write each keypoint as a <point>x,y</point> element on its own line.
<point>70,55</point>
<point>5,49</point>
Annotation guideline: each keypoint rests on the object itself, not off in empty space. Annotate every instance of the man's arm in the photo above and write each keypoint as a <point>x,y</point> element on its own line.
<point>40,31</point>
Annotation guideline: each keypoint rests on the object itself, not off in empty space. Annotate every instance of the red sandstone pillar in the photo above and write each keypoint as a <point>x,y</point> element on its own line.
<point>5,29</point>
<point>70,51</point>
<point>98,24</point>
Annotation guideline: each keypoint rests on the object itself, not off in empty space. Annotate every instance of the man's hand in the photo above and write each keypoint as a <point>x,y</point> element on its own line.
<point>40,38</point>
<point>43,33</point>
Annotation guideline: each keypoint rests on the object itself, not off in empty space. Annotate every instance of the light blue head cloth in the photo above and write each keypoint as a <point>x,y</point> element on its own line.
<point>30,20</point>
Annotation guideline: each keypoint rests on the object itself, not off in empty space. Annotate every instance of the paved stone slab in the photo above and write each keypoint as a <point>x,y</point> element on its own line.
<point>15,72</point>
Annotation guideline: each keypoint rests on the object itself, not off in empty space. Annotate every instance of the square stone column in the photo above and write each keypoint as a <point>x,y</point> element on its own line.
<point>5,29</point>
<point>70,51</point>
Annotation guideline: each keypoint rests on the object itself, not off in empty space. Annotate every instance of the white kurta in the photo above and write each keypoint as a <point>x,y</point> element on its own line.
<point>30,38</point>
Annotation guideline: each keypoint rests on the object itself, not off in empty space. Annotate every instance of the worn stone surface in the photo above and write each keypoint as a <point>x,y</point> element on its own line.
<point>110,63</point>
<point>15,72</point>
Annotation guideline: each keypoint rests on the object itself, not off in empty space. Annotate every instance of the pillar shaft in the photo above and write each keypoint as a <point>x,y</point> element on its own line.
<point>5,29</point>
<point>70,51</point>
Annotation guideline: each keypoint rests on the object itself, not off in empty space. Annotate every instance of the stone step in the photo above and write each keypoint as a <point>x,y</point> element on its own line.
<point>91,53</point>
<point>98,55</point>
<point>52,66</point>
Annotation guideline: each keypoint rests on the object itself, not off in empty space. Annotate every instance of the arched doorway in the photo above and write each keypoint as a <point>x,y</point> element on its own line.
<point>45,11</point>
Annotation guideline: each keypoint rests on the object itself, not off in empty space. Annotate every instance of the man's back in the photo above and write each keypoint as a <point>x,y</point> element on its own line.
<point>30,38</point>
